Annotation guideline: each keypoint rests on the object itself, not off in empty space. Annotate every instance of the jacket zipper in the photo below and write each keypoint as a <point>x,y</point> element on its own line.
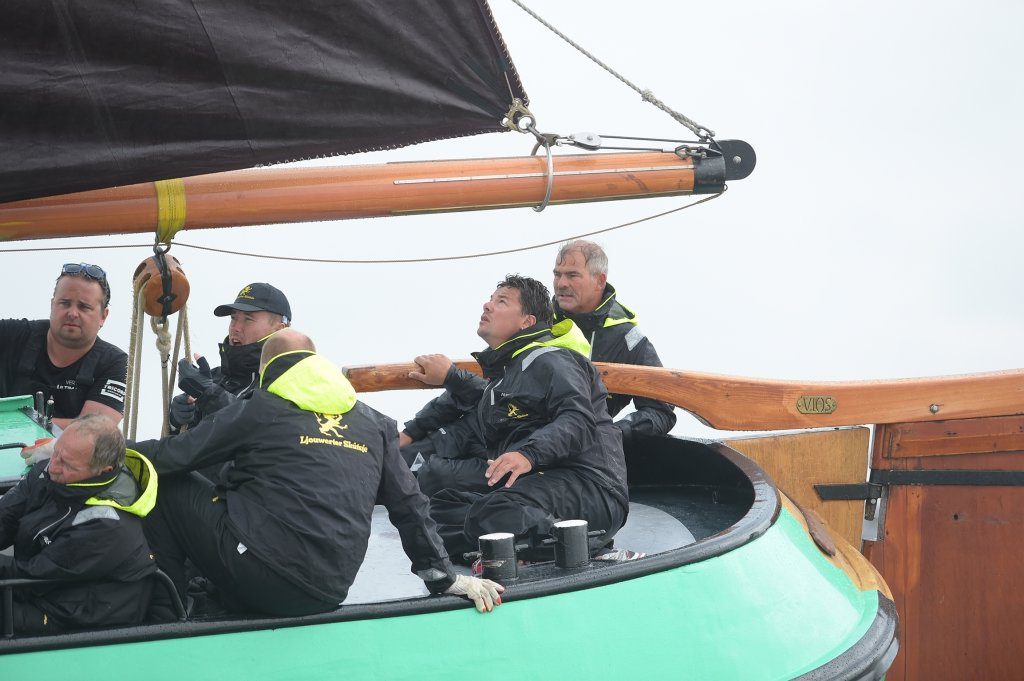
<point>59,520</point>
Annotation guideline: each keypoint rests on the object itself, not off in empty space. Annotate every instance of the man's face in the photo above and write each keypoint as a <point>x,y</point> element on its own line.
<point>577,291</point>
<point>249,327</point>
<point>503,317</point>
<point>76,312</point>
<point>72,458</point>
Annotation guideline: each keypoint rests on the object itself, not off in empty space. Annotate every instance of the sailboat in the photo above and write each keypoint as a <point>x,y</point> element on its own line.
<point>751,534</point>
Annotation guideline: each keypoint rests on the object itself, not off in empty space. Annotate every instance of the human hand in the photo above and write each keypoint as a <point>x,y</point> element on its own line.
<point>404,439</point>
<point>42,449</point>
<point>509,462</point>
<point>433,369</point>
<point>182,411</point>
<point>484,593</point>
<point>194,380</point>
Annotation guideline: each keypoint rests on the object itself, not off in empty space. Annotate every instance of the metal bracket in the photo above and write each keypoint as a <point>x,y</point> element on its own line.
<point>584,140</point>
<point>687,151</point>
<point>861,491</point>
<point>519,118</point>
<point>159,256</point>
<point>868,492</point>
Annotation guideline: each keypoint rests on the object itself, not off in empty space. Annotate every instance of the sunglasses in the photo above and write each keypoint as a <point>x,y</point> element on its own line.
<point>91,271</point>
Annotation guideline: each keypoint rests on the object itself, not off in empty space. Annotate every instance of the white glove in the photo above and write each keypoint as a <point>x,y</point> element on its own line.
<point>483,592</point>
<point>42,449</point>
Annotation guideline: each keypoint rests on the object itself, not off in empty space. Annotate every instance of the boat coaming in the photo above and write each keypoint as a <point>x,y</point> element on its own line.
<point>753,599</point>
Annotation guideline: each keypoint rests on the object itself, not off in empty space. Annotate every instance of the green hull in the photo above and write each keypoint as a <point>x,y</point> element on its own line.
<point>755,599</point>
<point>774,608</point>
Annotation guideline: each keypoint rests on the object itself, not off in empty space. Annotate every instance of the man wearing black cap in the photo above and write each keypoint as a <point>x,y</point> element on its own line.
<point>259,310</point>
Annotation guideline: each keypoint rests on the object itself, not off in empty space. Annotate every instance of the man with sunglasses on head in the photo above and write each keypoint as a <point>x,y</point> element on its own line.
<point>64,358</point>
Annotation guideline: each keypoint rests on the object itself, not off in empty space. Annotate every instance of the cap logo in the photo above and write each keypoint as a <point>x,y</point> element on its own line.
<point>245,293</point>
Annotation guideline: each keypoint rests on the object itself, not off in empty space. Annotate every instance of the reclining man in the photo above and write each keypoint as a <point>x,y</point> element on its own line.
<point>77,516</point>
<point>258,311</point>
<point>287,531</point>
<point>582,294</point>
<point>539,445</point>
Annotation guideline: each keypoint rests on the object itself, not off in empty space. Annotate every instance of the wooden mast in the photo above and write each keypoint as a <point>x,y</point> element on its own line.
<point>278,195</point>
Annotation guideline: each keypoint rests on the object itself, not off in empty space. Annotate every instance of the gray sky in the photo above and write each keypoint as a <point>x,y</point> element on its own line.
<point>879,236</point>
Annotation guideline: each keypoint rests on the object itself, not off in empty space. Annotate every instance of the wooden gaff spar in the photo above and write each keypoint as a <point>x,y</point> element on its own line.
<point>283,195</point>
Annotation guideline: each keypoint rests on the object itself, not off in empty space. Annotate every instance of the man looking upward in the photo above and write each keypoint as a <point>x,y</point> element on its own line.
<point>583,295</point>
<point>538,446</point>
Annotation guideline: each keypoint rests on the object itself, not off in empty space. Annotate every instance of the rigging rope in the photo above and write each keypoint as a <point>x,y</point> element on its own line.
<point>647,95</point>
<point>396,261</point>
<point>161,328</point>
<point>440,258</point>
<point>130,424</point>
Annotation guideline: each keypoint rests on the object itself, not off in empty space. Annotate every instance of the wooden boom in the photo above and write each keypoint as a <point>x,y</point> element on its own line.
<point>734,403</point>
<point>278,195</point>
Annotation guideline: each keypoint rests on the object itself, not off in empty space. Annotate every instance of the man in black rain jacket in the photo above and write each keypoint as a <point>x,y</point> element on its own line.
<point>583,295</point>
<point>287,530</point>
<point>78,516</point>
<point>539,446</point>
<point>259,310</point>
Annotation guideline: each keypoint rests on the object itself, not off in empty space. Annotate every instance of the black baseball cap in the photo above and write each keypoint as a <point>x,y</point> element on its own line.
<point>258,296</point>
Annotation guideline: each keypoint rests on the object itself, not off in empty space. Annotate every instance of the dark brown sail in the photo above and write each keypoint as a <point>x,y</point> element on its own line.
<point>96,95</point>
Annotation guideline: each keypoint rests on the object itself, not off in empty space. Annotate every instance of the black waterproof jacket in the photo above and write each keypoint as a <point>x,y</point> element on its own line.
<point>309,463</point>
<point>91,531</point>
<point>543,398</point>
<point>236,375</point>
<point>613,335</point>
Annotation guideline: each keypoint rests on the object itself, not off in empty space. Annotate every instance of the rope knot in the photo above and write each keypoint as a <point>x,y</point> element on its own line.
<point>161,328</point>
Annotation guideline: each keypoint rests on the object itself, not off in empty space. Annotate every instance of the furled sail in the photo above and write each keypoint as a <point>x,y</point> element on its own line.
<point>97,95</point>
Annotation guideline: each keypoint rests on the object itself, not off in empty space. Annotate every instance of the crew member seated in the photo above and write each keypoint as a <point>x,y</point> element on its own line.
<point>539,445</point>
<point>77,516</point>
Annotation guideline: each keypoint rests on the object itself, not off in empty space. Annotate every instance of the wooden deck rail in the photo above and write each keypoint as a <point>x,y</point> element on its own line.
<point>736,403</point>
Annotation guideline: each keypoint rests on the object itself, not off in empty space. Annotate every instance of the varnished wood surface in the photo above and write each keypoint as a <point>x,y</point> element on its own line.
<point>848,559</point>
<point>952,557</point>
<point>952,554</point>
<point>279,195</point>
<point>945,438</point>
<point>797,461</point>
<point>734,403</point>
